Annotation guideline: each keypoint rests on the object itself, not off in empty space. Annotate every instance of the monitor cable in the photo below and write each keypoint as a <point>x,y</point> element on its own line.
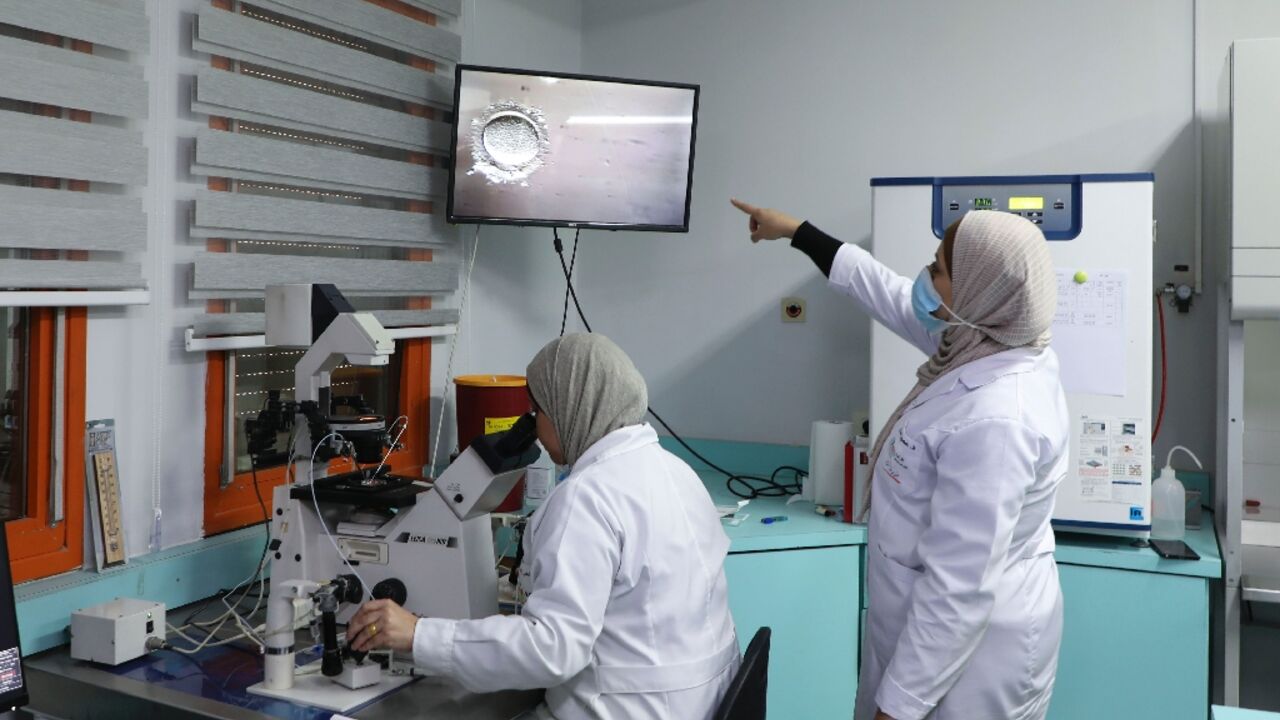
<point>748,487</point>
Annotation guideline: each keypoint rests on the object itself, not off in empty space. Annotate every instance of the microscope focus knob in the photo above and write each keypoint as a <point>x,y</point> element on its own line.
<point>391,589</point>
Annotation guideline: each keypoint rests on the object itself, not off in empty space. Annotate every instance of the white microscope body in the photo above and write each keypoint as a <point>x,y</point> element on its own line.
<point>427,547</point>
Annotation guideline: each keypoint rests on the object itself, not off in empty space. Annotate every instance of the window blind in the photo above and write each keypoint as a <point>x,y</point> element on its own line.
<point>329,123</point>
<point>72,98</point>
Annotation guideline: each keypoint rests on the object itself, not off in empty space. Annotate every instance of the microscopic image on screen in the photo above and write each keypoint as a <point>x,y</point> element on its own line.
<point>553,149</point>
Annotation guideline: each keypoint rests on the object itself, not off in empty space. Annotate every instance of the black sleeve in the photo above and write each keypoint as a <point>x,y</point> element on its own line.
<point>819,246</point>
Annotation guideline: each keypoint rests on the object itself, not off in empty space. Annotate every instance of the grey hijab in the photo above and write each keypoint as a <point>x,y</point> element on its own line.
<point>588,387</point>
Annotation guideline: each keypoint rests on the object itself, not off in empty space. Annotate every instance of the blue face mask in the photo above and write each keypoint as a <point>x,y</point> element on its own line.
<point>924,301</point>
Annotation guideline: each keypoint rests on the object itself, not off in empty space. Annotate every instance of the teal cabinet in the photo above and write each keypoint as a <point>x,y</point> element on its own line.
<point>1135,645</point>
<point>810,597</point>
<point>1135,641</point>
<point>1136,627</point>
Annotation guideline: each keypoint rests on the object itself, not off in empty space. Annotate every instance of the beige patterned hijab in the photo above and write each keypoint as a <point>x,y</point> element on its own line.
<point>1003,282</point>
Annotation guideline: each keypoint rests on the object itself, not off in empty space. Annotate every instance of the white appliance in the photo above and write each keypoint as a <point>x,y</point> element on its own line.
<point>118,631</point>
<point>1255,246</point>
<point>1100,231</point>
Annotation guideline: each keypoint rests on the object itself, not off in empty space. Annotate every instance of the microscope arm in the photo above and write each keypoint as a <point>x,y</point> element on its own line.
<point>357,337</point>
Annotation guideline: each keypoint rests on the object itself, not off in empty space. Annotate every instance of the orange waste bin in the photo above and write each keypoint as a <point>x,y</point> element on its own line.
<point>490,404</point>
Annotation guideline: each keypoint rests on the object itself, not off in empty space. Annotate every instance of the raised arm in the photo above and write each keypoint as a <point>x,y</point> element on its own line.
<point>883,294</point>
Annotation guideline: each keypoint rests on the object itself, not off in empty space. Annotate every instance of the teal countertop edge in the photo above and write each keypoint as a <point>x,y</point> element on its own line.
<point>1230,713</point>
<point>1120,553</point>
<point>804,528</point>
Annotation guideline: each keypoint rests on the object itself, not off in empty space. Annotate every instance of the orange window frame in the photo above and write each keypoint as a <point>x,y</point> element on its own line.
<point>37,547</point>
<point>236,505</point>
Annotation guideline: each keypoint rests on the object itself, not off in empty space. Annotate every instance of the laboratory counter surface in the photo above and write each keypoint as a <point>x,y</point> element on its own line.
<point>1230,713</point>
<point>804,528</point>
<point>802,577</point>
<point>213,683</point>
<point>1124,554</point>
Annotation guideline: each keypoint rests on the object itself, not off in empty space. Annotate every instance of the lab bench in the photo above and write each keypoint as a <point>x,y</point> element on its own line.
<point>800,577</point>
<point>213,684</point>
<point>1132,619</point>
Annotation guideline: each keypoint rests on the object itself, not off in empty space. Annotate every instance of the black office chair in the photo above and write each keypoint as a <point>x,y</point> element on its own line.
<point>745,699</point>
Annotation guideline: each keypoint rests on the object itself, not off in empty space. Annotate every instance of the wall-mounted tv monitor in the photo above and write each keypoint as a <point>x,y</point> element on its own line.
<point>540,148</point>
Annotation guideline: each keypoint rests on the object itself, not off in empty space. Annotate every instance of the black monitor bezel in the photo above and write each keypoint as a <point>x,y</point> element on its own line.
<point>561,223</point>
<point>19,697</point>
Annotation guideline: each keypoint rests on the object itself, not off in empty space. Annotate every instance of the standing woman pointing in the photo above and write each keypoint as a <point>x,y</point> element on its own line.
<point>965,612</point>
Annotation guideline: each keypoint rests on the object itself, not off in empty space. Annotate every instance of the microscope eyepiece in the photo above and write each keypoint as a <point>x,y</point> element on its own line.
<point>512,449</point>
<point>519,438</point>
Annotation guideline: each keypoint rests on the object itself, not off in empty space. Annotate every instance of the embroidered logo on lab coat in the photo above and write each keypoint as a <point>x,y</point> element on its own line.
<point>894,459</point>
<point>896,464</point>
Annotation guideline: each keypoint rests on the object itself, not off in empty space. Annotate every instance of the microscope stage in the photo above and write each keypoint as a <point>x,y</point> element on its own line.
<point>357,488</point>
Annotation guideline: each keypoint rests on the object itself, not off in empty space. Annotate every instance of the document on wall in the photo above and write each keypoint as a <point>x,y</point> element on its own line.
<point>1114,461</point>
<point>1093,466</point>
<point>1089,331</point>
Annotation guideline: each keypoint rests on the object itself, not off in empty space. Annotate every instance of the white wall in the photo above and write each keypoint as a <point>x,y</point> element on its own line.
<point>138,372</point>
<point>800,108</point>
<point>517,286</point>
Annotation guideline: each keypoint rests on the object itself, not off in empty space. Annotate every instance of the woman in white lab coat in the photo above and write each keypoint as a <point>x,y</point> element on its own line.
<point>965,612</point>
<point>627,613</point>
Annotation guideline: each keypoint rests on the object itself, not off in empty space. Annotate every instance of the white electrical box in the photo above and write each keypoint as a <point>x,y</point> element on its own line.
<point>1099,232</point>
<point>116,632</point>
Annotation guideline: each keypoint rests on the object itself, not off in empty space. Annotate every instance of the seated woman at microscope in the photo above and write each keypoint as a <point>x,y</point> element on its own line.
<point>627,613</point>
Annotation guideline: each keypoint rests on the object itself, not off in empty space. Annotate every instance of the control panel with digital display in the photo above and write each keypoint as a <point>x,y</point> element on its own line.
<point>1049,205</point>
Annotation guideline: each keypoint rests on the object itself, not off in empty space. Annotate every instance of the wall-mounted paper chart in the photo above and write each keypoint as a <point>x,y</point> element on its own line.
<point>1088,331</point>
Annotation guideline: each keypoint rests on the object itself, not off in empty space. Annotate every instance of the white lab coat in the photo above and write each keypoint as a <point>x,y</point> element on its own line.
<point>627,614</point>
<point>965,611</point>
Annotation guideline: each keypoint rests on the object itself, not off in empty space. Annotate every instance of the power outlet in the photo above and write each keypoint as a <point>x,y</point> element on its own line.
<point>793,310</point>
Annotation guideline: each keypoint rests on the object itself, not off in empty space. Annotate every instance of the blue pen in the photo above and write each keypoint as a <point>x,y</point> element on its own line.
<point>773,519</point>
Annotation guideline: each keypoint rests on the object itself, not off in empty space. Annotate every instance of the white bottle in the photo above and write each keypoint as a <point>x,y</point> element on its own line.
<point>539,479</point>
<point>1168,507</point>
<point>1169,500</point>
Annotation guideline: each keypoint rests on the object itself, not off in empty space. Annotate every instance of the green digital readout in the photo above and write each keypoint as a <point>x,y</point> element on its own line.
<point>1026,203</point>
<point>983,203</point>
